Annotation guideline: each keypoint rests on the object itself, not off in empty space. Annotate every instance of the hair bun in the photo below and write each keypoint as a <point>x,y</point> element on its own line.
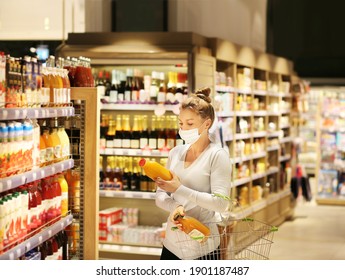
<point>204,93</point>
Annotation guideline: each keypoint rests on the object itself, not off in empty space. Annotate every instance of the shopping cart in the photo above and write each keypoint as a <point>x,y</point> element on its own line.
<point>243,239</point>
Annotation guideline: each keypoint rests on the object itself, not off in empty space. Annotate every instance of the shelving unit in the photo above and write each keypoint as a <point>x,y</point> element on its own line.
<point>253,99</point>
<point>330,167</point>
<point>9,183</point>
<point>89,137</point>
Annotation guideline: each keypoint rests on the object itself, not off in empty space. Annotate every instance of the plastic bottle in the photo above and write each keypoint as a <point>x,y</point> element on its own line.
<point>154,169</point>
<point>64,194</point>
<point>194,228</point>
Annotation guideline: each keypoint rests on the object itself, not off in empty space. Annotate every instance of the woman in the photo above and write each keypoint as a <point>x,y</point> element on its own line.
<point>201,180</point>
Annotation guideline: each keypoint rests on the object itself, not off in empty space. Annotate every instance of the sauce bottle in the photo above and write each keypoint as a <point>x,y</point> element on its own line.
<point>153,170</point>
<point>193,227</point>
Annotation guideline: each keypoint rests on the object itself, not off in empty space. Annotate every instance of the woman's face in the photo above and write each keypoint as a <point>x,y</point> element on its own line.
<point>188,119</point>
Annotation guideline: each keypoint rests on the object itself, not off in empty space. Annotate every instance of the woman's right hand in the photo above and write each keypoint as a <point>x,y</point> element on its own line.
<point>179,210</point>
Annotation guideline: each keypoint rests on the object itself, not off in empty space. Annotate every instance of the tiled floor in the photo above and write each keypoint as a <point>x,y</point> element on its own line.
<point>316,232</point>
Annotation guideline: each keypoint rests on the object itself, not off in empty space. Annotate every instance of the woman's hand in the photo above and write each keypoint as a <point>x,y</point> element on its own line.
<point>169,186</point>
<point>179,210</point>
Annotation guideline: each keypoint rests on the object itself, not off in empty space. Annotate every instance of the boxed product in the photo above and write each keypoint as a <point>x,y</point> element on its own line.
<point>110,216</point>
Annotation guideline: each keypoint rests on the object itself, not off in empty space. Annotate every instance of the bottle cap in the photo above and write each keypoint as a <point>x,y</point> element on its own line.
<point>142,162</point>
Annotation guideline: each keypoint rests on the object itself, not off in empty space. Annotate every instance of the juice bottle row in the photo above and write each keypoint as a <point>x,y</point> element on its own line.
<point>26,82</point>
<point>25,210</point>
<point>55,248</point>
<point>29,144</point>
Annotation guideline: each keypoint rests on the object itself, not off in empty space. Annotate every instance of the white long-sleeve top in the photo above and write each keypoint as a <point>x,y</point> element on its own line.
<point>201,184</point>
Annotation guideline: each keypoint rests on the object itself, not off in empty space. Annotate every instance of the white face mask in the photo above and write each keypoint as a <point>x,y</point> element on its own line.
<point>189,136</point>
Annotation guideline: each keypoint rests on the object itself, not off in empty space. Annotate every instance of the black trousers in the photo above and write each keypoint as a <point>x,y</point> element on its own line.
<point>167,255</point>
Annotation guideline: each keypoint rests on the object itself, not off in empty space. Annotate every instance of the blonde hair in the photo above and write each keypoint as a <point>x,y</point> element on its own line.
<point>200,103</point>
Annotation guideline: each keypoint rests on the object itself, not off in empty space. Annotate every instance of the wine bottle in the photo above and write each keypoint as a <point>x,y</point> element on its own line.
<point>171,132</point>
<point>144,135</point>
<point>126,132</point>
<point>162,89</point>
<point>128,85</point>
<point>135,134</point>
<point>154,87</point>
<point>118,134</point>
<point>153,135</point>
<point>114,87</point>
<point>162,137</point>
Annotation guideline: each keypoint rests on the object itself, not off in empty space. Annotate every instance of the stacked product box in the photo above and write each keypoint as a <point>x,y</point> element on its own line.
<point>108,217</point>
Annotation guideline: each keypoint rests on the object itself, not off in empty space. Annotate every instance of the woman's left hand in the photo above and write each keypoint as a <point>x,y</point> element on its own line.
<point>169,186</point>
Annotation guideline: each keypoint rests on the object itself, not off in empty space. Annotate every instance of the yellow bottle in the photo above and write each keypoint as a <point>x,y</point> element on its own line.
<point>154,169</point>
<point>194,228</point>
<point>64,194</point>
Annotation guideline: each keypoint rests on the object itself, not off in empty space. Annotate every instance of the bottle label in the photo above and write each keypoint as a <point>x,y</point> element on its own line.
<point>161,143</point>
<point>161,97</point>
<point>126,143</point>
<point>109,144</point>
<point>57,151</point>
<point>49,154</point>
<point>196,235</point>
<point>143,142</point>
<point>42,156</point>
<point>170,97</point>
<point>113,96</point>
<point>179,97</point>
<point>153,143</point>
<point>117,143</point>
<point>127,95</point>
<point>170,143</point>
<point>134,143</point>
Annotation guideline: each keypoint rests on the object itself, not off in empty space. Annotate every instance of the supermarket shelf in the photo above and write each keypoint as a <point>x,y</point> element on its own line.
<point>14,181</point>
<point>244,113</point>
<point>273,134</point>
<point>241,136</point>
<point>242,181</point>
<point>243,90</point>
<point>261,113</point>
<point>127,249</point>
<point>257,134</point>
<point>260,92</point>
<point>257,176</point>
<point>225,114</point>
<point>273,148</point>
<point>284,158</point>
<point>138,107</point>
<point>225,88</point>
<point>127,194</point>
<point>133,152</point>
<point>258,205</point>
<point>285,140</point>
<point>273,113</point>
<point>37,239</point>
<point>272,170</point>
<point>246,158</point>
<point>35,113</point>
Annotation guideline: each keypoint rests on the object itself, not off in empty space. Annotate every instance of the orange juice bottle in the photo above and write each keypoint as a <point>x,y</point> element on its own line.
<point>153,170</point>
<point>64,140</point>
<point>193,227</point>
<point>42,151</point>
<point>74,190</point>
<point>64,194</point>
<point>56,143</point>
<point>49,154</point>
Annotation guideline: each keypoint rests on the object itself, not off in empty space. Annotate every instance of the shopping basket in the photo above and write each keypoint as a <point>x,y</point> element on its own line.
<point>240,239</point>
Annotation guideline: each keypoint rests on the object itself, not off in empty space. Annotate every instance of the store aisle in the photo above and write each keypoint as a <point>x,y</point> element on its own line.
<point>316,232</point>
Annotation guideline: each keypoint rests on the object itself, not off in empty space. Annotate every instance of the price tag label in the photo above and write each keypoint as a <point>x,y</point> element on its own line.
<point>131,152</point>
<point>50,233</point>
<point>36,113</point>
<point>40,239</point>
<point>9,184</point>
<point>16,114</point>
<point>1,187</point>
<point>28,246</point>
<point>43,173</point>
<point>4,114</point>
<point>34,176</point>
